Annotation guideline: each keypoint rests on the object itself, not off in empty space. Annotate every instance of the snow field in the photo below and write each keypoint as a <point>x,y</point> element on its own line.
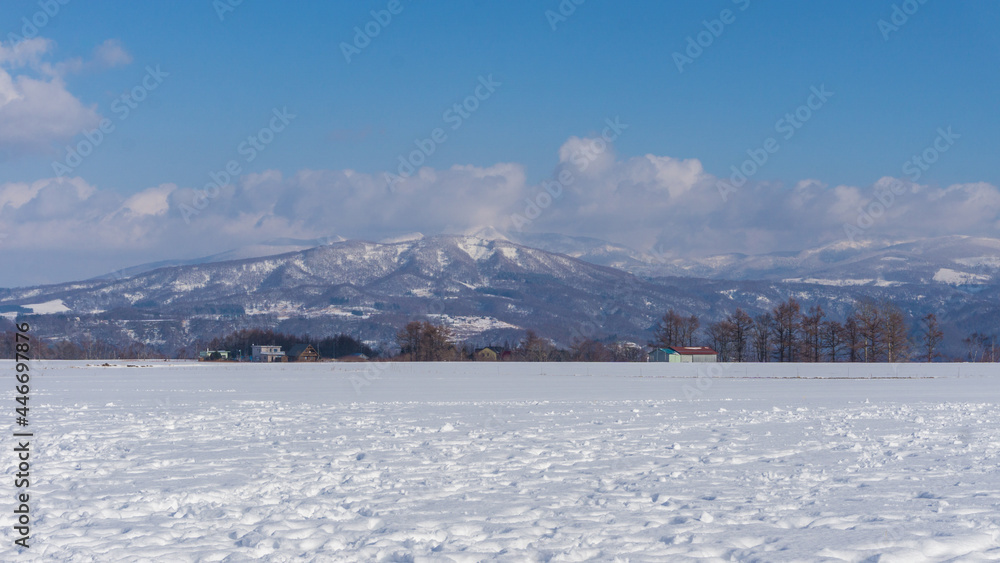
<point>529,462</point>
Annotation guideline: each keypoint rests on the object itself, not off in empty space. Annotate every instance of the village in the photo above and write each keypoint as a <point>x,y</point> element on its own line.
<point>308,353</point>
<point>871,332</point>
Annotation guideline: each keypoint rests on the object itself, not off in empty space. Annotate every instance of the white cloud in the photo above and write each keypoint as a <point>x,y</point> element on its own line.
<point>659,201</point>
<point>36,108</point>
<point>646,202</point>
<point>676,176</point>
<point>25,53</point>
<point>35,113</point>
<point>151,201</point>
<point>14,195</point>
<point>110,54</point>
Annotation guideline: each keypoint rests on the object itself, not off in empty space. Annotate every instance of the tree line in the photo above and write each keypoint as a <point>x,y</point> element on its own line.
<point>424,341</point>
<point>85,348</point>
<point>240,342</point>
<point>874,331</point>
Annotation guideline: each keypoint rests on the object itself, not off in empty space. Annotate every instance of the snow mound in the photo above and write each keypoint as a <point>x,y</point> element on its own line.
<point>49,307</point>
<point>954,277</point>
<point>514,462</point>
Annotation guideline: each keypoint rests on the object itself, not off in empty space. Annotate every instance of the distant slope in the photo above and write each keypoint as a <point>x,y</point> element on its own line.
<point>487,290</point>
<point>267,248</point>
<point>954,260</point>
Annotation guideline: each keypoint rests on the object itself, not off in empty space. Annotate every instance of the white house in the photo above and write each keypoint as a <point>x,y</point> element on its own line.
<point>267,353</point>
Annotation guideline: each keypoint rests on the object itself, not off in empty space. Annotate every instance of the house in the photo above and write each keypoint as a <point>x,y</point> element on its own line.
<point>696,354</point>
<point>683,354</point>
<point>485,355</point>
<point>303,353</point>
<point>212,355</point>
<point>267,354</point>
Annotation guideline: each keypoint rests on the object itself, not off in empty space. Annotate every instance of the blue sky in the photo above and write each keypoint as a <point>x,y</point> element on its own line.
<point>605,60</point>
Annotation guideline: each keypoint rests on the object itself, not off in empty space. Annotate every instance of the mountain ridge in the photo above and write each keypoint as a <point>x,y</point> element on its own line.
<point>486,289</point>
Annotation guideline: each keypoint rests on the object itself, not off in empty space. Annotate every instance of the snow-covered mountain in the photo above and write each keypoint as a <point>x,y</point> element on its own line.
<point>271,247</point>
<point>948,260</point>
<point>487,290</point>
<point>954,260</point>
<point>475,285</point>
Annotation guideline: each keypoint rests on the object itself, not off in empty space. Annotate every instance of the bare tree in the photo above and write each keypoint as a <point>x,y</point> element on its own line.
<point>408,340</point>
<point>722,335</point>
<point>853,343</point>
<point>933,335</point>
<point>588,350</point>
<point>895,336</point>
<point>787,317</point>
<point>622,351</point>
<point>690,330</point>
<point>811,342</point>
<point>534,348</point>
<point>832,338</point>
<point>763,325</point>
<point>670,332</point>
<point>742,324</point>
<point>981,347</point>
<point>871,327</point>
<point>426,342</point>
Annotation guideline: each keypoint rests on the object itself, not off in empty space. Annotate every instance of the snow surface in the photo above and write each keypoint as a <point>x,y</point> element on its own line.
<point>475,248</point>
<point>844,282</point>
<point>464,326</point>
<point>181,461</point>
<point>991,261</point>
<point>954,277</point>
<point>49,307</point>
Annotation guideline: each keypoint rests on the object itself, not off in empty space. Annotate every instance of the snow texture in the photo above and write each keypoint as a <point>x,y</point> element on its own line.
<point>181,461</point>
<point>954,277</point>
<point>48,308</point>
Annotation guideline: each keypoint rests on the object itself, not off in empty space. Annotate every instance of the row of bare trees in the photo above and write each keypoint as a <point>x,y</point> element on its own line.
<point>981,347</point>
<point>872,332</point>
<point>426,342</point>
<point>875,331</point>
<point>83,349</point>
<point>676,329</point>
